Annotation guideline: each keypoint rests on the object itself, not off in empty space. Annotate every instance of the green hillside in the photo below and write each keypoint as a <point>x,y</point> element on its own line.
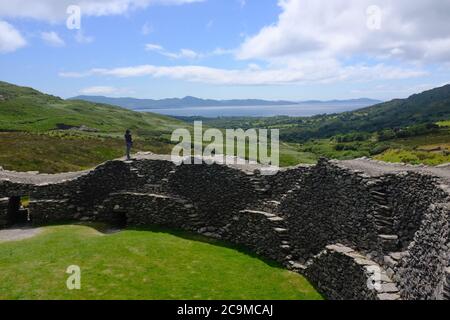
<point>414,130</point>
<point>40,132</point>
<point>427,107</point>
<point>25,109</point>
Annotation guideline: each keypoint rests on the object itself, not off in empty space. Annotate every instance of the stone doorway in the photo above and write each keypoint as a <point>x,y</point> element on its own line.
<point>18,211</point>
<point>119,220</point>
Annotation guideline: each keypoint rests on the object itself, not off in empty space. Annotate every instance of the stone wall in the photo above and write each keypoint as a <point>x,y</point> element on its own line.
<point>422,272</point>
<point>396,222</point>
<point>344,274</point>
<point>330,205</point>
<point>4,212</point>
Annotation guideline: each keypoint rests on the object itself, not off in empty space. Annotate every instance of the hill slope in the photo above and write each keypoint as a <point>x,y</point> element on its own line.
<point>35,135</point>
<point>25,109</point>
<point>427,107</point>
<point>139,104</point>
<point>132,103</point>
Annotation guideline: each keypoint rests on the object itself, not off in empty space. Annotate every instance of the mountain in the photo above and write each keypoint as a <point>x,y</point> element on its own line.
<point>26,109</point>
<point>351,102</point>
<point>427,107</point>
<point>140,104</point>
<point>424,108</point>
<point>148,104</point>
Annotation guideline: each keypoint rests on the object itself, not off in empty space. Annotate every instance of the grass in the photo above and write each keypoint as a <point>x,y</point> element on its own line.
<point>28,110</point>
<point>62,151</point>
<point>53,153</point>
<point>292,155</point>
<point>29,141</point>
<point>140,264</point>
<point>444,123</point>
<point>414,157</point>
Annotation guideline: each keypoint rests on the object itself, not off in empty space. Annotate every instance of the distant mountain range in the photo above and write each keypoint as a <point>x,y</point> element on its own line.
<point>148,104</point>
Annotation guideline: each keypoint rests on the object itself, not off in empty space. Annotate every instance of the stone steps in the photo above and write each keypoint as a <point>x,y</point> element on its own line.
<point>379,283</point>
<point>384,220</point>
<point>446,292</point>
<point>388,242</point>
<point>278,225</point>
<point>295,266</point>
<point>260,184</point>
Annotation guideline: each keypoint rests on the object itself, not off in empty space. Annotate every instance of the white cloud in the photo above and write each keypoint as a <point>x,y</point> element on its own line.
<point>103,90</point>
<point>53,39</point>
<point>410,30</point>
<point>98,90</point>
<point>10,38</point>
<point>182,54</point>
<point>322,72</point>
<point>147,29</point>
<point>55,10</point>
<point>80,37</point>
<point>153,47</point>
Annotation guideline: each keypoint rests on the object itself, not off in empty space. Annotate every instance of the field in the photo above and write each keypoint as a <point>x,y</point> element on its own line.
<point>62,152</point>
<point>140,264</point>
<point>39,132</point>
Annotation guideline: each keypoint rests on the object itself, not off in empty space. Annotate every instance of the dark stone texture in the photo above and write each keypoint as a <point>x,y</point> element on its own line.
<point>329,222</point>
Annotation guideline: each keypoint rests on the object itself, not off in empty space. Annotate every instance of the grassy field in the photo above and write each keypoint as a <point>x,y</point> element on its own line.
<point>58,151</point>
<point>28,110</point>
<point>140,264</point>
<point>429,149</point>
<point>34,135</point>
<point>62,151</point>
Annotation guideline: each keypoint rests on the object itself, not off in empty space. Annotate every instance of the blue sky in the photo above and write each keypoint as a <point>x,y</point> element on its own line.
<point>287,49</point>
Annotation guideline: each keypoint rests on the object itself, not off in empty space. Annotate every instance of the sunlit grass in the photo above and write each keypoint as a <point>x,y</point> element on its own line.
<point>414,157</point>
<point>140,264</point>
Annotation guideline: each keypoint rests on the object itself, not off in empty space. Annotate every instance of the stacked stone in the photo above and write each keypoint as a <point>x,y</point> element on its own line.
<point>142,209</point>
<point>4,212</point>
<point>446,292</point>
<point>383,216</point>
<point>153,175</point>
<point>52,211</point>
<point>393,221</point>
<point>410,194</point>
<point>262,232</point>
<point>331,205</point>
<point>11,189</point>
<point>421,273</point>
<point>217,191</point>
<point>340,273</point>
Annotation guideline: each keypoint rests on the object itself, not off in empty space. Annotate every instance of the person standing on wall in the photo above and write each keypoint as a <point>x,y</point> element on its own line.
<point>129,143</point>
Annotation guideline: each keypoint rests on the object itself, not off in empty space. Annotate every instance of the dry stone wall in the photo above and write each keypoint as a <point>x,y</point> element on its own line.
<point>331,222</point>
<point>4,212</point>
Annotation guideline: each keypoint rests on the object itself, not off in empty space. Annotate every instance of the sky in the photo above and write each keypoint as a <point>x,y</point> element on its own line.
<point>226,49</point>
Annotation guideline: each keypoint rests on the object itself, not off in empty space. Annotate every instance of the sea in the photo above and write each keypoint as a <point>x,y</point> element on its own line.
<point>298,110</point>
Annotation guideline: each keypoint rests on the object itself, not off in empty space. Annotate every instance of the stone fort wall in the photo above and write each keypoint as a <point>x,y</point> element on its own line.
<point>339,226</point>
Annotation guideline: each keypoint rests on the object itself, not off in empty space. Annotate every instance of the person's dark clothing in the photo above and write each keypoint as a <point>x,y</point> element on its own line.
<point>128,138</point>
<point>129,143</point>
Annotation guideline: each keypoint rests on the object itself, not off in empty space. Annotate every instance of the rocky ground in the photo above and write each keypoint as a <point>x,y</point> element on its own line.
<point>18,233</point>
<point>369,167</point>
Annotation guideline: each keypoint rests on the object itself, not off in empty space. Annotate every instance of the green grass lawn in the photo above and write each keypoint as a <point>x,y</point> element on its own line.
<point>140,264</point>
